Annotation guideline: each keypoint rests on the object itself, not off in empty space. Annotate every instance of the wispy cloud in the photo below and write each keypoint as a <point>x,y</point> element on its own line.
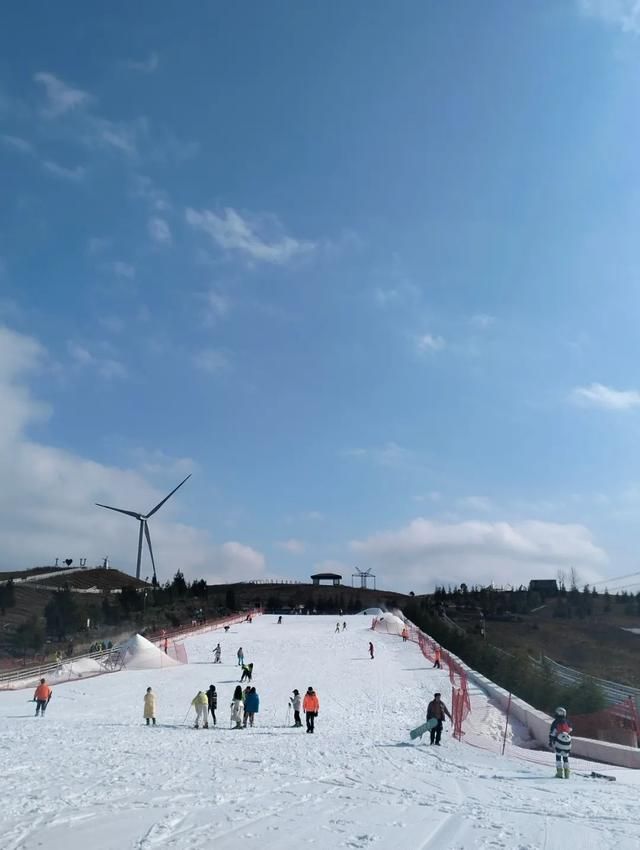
<point>145,66</point>
<point>429,342</point>
<point>17,144</point>
<point>217,306</point>
<point>106,367</point>
<point>292,546</point>
<point>123,270</point>
<point>61,98</point>
<point>75,174</point>
<point>144,188</point>
<point>159,230</point>
<point>390,454</point>
<point>606,398</point>
<point>482,321</point>
<point>259,239</point>
<point>476,504</point>
<point>624,14</point>
<point>211,361</point>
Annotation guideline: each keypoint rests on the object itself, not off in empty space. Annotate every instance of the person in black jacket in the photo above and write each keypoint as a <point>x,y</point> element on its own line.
<point>212,697</point>
<point>437,710</point>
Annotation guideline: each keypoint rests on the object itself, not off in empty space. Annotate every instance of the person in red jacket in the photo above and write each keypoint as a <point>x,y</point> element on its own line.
<point>311,707</point>
<point>41,697</point>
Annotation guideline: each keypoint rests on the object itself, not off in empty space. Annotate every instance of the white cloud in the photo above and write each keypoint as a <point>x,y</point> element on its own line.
<point>425,553</point>
<point>17,143</point>
<point>482,321</point>
<point>217,306</point>
<point>146,66</point>
<point>428,342</point>
<point>61,98</point>
<point>624,14</point>
<point>477,504</point>
<point>74,174</point>
<point>144,188</point>
<point>120,136</point>
<point>249,236</point>
<point>122,269</point>
<point>292,546</point>
<point>598,395</point>
<point>160,231</point>
<point>390,455</point>
<point>48,511</point>
<point>106,367</point>
<point>211,361</point>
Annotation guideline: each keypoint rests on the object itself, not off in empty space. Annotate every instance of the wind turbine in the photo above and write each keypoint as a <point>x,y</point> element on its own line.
<point>364,575</point>
<point>144,528</point>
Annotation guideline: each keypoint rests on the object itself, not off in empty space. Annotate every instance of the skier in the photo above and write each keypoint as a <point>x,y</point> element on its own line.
<point>337,627</point>
<point>437,656</point>
<point>247,672</point>
<point>217,652</point>
<point>311,707</point>
<point>201,704</point>
<point>344,627</point>
<point>42,696</point>
<point>371,650</point>
<point>251,706</point>
<point>405,635</point>
<point>560,742</point>
<point>212,697</point>
<point>149,706</point>
<point>437,710</point>
<point>296,703</point>
<point>280,620</point>
<point>236,708</point>
<point>240,657</point>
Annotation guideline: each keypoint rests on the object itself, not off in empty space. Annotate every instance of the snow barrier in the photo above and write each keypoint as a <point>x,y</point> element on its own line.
<point>394,624</point>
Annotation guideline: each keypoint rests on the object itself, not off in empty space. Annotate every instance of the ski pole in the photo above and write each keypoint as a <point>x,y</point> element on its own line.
<point>187,714</point>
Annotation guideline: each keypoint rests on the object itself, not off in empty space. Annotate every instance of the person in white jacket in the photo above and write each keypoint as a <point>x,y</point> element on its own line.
<point>296,705</point>
<point>237,708</point>
<point>150,707</point>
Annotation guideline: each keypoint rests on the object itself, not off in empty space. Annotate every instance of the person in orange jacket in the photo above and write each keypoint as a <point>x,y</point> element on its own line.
<point>311,707</point>
<point>41,697</point>
<point>437,655</point>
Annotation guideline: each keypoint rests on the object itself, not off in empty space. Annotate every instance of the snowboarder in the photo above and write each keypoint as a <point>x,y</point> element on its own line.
<point>296,703</point>
<point>247,672</point>
<point>240,657</point>
<point>201,704</point>
<point>149,707</point>
<point>236,708</point>
<point>217,653</point>
<point>311,707</point>
<point>437,655</point>
<point>560,742</point>
<point>371,650</point>
<point>212,697</point>
<point>42,697</point>
<point>251,706</point>
<point>437,710</point>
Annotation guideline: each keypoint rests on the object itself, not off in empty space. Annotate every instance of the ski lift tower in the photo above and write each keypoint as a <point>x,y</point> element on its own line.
<point>363,576</point>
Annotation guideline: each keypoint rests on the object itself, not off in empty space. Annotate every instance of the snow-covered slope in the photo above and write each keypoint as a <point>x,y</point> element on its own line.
<point>91,775</point>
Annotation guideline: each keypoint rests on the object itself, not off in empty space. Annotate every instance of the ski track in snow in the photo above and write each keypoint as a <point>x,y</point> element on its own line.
<point>90,774</point>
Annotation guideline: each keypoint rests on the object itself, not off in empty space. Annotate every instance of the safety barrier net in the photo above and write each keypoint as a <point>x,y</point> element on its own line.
<point>460,701</point>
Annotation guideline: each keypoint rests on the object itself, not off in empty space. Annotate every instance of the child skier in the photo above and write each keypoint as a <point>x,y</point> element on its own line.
<point>201,704</point>
<point>296,704</point>
<point>217,652</point>
<point>149,707</point>
<point>236,708</point>
<point>247,672</point>
<point>42,696</point>
<point>212,697</point>
<point>560,742</point>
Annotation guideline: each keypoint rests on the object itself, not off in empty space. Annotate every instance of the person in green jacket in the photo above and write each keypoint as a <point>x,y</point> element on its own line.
<point>201,705</point>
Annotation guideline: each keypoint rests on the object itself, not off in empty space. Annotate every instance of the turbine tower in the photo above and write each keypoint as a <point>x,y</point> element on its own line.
<point>144,527</point>
<point>363,575</point>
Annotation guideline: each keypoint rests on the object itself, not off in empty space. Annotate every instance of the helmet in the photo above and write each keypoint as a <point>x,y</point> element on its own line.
<point>561,712</point>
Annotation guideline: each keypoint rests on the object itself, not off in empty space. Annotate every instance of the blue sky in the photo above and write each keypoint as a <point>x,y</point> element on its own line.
<point>369,272</point>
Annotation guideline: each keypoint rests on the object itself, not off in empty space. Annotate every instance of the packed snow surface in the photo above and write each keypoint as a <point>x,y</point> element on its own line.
<point>91,775</point>
<point>138,653</point>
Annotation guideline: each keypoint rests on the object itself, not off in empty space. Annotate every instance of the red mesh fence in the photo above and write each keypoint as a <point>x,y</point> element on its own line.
<point>178,651</point>
<point>617,724</point>
<point>460,701</point>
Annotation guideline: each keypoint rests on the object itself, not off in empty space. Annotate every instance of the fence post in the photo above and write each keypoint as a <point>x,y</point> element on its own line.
<point>506,724</point>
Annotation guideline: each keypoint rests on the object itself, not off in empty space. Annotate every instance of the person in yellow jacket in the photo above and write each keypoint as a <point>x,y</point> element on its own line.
<point>150,706</point>
<point>201,704</point>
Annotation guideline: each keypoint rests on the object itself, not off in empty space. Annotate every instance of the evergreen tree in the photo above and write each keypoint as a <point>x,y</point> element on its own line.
<point>62,614</point>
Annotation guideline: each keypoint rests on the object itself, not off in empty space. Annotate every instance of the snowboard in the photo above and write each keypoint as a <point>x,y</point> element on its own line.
<point>595,775</point>
<point>419,731</point>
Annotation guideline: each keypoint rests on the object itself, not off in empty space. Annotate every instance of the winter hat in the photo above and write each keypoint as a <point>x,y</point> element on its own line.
<point>296,691</point>
<point>561,712</point>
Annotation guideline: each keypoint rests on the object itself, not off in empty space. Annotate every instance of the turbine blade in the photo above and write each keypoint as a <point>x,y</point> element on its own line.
<point>166,498</point>
<point>120,511</point>
<point>148,536</point>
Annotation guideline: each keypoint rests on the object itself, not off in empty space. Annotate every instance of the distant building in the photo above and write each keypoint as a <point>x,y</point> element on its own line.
<point>544,586</point>
<point>334,578</point>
